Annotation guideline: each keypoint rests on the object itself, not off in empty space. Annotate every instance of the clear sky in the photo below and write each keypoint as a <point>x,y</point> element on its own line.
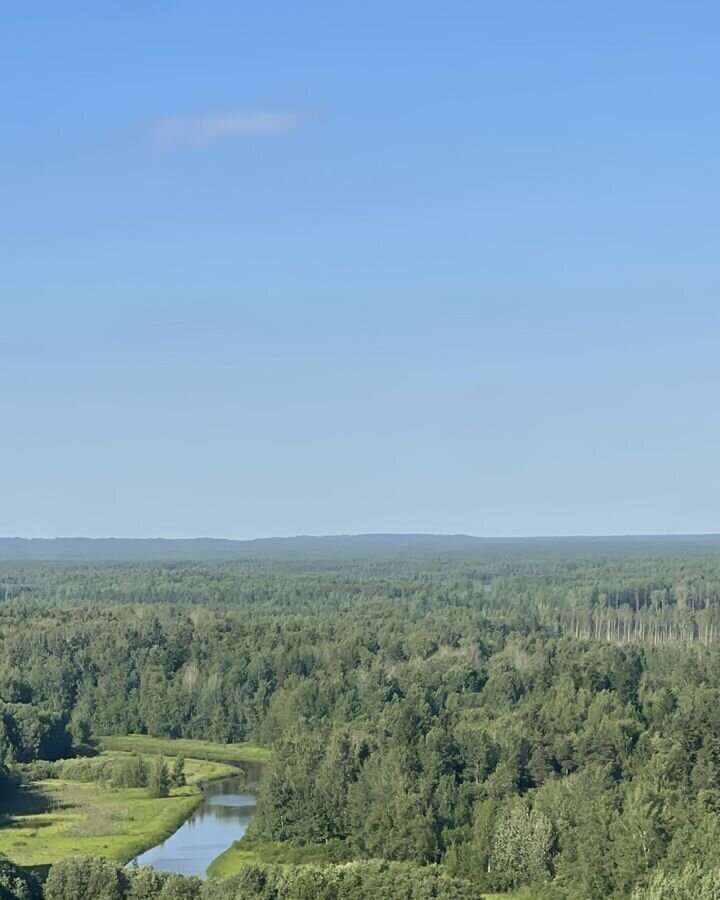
<point>279,268</point>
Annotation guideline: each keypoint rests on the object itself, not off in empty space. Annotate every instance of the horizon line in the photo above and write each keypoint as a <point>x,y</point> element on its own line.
<point>366,534</point>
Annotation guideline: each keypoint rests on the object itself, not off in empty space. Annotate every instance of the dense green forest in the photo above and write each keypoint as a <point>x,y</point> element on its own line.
<point>535,716</point>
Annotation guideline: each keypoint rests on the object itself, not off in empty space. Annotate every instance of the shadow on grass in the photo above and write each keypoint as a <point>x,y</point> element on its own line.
<point>40,872</point>
<point>87,751</point>
<point>29,800</point>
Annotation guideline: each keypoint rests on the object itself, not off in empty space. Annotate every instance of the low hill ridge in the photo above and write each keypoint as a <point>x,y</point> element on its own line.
<point>78,549</point>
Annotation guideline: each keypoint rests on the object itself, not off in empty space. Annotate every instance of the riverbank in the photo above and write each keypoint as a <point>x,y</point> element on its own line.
<point>221,819</point>
<point>244,853</point>
<point>288,855</point>
<point>51,819</point>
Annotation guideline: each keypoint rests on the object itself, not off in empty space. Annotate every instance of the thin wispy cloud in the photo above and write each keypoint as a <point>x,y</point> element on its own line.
<point>173,133</point>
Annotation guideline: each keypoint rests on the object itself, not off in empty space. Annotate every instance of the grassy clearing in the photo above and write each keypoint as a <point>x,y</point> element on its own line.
<point>197,771</point>
<point>524,894</point>
<point>49,820</point>
<point>143,743</point>
<point>284,854</point>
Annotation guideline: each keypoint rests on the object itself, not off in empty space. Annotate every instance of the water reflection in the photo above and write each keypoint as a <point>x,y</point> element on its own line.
<point>221,819</point>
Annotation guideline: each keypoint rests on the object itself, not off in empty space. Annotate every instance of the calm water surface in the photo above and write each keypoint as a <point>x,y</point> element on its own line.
<point>221,819</point>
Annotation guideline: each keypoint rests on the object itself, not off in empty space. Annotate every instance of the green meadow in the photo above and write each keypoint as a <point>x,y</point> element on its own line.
<point>50,819</point>
<point>143,743</point>
<point>286,854</point>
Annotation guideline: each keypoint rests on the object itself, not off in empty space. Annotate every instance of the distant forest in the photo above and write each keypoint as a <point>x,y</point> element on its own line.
<point>308,549</point>
<point>542,714</point>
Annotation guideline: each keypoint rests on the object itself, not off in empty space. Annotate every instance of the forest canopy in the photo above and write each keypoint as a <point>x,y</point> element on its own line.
<point>543,717</point>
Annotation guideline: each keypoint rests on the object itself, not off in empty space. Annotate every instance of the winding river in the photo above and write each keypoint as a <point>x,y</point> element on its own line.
<point>220,820</point>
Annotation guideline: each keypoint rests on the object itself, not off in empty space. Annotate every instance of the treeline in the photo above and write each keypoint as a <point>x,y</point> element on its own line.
<point>614,596</point>
<point>134,771</point>
<point>88,878</point>
<point>96,879</point>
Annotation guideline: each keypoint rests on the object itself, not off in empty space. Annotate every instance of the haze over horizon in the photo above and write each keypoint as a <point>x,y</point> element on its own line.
<point>302,536</point>
<point>327,270</point>
<point>311,549</point>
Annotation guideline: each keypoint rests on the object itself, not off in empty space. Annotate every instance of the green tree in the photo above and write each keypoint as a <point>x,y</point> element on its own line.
<point>144,884</point>
<point>85,878</point>
<point>159,778</point>
<point>177,776</point>
<point>180,887</point>
<point>16,884</point>
<point>522,846</point>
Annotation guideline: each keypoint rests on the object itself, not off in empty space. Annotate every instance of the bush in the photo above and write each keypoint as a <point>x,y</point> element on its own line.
<point>15,884</point>
<point>36,771</point>
<point>360,880</point>
<point>86,878</point>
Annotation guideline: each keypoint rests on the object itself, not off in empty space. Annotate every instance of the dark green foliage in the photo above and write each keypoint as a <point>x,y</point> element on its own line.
<point>158,781</point>
<point>515,719</point>
<point>177,775</point>
<point>135,772</point>
<point>16,884</point>
<point>86,878</point>
<point>114,772</point>
<point>30,732</point>
<point>8,783</point>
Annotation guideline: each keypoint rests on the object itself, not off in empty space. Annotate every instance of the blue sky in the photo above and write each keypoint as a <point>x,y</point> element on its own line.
<point>285,268</point>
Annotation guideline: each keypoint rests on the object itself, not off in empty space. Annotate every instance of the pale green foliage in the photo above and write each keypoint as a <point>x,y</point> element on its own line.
<point>85,878</point>
<point>179,887</point>
<point>522,845</point>
<point>690,884</point>
<point>145,884</point>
